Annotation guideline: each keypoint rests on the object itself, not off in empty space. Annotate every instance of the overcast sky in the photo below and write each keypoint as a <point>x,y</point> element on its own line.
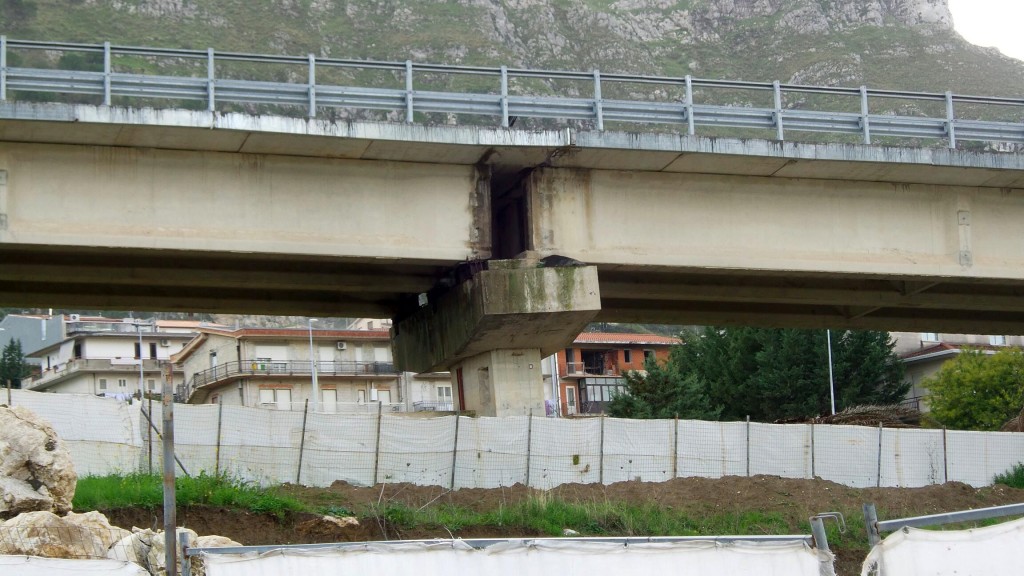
<point>991,23</point>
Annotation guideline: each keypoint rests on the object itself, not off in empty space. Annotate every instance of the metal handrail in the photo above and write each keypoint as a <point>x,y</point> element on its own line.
<point>500,102</point>
<point>257,367</point>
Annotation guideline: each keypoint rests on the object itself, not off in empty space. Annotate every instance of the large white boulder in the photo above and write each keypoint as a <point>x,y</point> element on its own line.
<point>155,559</point>
<point>214,541</point>
<point>35,465</point>
<point>98,524</point>
<point>50,536</point>
<point>133,548</point>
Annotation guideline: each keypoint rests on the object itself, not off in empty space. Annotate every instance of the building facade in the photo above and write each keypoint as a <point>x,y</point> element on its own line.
<point>591,371</point>
<point>103,356</point>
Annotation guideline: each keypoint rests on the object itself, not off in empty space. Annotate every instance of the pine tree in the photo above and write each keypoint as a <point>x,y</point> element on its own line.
<point>12,364</point>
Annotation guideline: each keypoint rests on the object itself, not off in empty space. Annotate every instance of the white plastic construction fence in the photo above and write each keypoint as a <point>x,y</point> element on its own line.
<point>268,446</point>
<point>514,558</point>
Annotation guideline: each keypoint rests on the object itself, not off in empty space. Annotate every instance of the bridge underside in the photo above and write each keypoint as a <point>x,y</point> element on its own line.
<point>358,219</point>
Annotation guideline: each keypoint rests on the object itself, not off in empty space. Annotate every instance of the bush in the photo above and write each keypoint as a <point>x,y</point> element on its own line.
<point>1014,477</point>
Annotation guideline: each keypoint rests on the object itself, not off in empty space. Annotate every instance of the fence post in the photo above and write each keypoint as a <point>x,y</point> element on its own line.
<point>600,474</point>
<point>3,67</point>
<point>529,440</point>
<point>812,450</point>
<point>675,448</point>
<point>748,445</point>
<point>220,418</point>
<point>211,78</point>
<point>945,458</point>
<point>106,90</point>
<point>376,450</point>
<point>455,451</point>
<point>149,434</point>
<point>302,441</point>
<point>170,503</point>
<point>871,523</point>
<point>186,562</point>
<point>879,482</point>
<point>408,92</point>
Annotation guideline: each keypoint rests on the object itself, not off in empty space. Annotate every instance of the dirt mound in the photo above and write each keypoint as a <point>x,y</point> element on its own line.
<point>793,501</point>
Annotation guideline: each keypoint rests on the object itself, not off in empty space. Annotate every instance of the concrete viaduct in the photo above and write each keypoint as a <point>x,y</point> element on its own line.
<point>445,228</point>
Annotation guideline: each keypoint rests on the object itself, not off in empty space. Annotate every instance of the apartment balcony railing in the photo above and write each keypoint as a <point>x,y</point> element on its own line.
<point>338,407</point>
<point>589,369</point>
<point>129,366</point>
<point>430,406</point>
<point>324,369</point>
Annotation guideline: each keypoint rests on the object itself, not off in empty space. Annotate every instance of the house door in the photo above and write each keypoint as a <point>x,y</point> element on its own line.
<point>330,400</point>
<point>444,398</point>
<point>570,400</point>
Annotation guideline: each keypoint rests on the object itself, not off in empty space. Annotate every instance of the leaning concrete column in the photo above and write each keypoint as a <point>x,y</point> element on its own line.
<point>495,327</point>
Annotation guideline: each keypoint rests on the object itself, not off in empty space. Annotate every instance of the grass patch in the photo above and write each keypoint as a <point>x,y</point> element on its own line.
<point>146,491</point>
<point>1014,477</point>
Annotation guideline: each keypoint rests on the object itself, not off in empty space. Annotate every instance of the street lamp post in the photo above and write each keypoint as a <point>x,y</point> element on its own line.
<point>831,382</point>
<point>312,364</point>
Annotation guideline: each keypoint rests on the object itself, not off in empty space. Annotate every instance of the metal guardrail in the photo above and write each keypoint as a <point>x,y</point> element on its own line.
<point>875,526</point>
<point>687,110</point>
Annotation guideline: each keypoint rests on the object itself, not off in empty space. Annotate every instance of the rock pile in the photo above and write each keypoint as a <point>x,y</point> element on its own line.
<point>36,472</point>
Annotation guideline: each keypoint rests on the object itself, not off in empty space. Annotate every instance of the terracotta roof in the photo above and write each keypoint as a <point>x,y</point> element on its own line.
<point>945,349</point>
<point>625,338</point>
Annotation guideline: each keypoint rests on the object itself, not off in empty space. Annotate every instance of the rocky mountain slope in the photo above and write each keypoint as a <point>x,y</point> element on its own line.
<point>900,44</point>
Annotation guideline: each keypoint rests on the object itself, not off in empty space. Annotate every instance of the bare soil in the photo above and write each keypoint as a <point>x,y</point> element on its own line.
<point>793,500</point>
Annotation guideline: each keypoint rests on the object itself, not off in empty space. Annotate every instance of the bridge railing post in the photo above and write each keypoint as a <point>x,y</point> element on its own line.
<point>408,91</point>
<point>504,97</point>
<point>312,86</point>
<point>106,74</point>
<point>598,105</point>
<point>777,93</point>
<point>3,67</point>
<point>865,118</point>
<point>950,119</point>
<point>690,127</point>
<point>211,70</point>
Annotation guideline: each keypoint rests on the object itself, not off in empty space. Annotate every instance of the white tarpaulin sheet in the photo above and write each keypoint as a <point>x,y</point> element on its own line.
<point>33,566</point>
<point>995,549</point>
<point>515,558</point>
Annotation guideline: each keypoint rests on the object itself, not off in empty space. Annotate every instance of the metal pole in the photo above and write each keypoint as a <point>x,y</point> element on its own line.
<point>748,445</point>
<point>879,483</point>
<point>529,437</point>
<point>455,450</point>
<point>186,561</point>
<point>210,80</point>
<point>600,478</point>
<point>220,419</point>
<point>690,129</point>
<point>945,458</point>
<point>149,433</point>
<point>831,380</point>
<point>302,443</point>
<point>675,448</point>
<point>312,365</point>
<point>598,104</point>
<point>376,454</point>
<point>865,118</point>
<point>3,67</point>
<point>812,450</point>
<point>170,517</point>
<point>779,134</point>
<point>871,523</point>
<point>818,530</point>
<point>312,86</point>
<point>106,75</point>
<point>950,126</point>
<point>408,92</point>
<point>504,97</point>
<point>142,388</point>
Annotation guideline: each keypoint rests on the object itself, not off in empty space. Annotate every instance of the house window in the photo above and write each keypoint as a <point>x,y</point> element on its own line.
<point>151,383</point>
<point>277,398</point>
<point>444,398</point>
<point>929,337</point>
<point>122,383</point>
<point>627,356</point>
<point>648,355</point>
<point>152,349</point>
<point>138,350</point>
<point>361,396</point>
<point>213,359</point>
<point>78,350</point>
<point>103,383</point>
<point>997,340</point>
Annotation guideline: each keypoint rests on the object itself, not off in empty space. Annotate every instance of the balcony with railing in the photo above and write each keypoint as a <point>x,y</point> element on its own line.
<point>58,372</point>
<point>433,406</point>
<point>582,369</point>
<point>304,368</point>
